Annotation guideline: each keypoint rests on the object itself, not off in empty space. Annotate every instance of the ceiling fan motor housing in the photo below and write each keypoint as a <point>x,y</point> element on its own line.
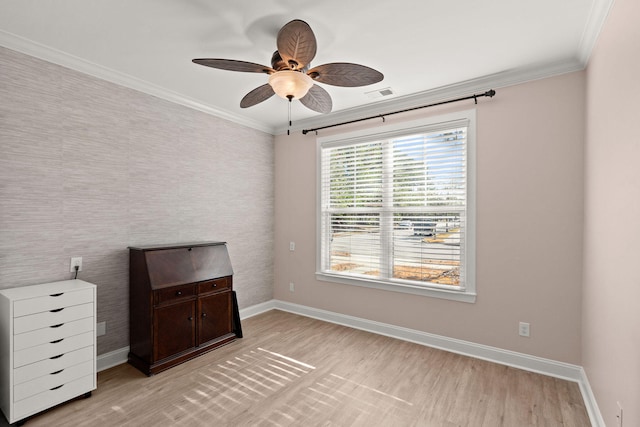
<point>277,63</point>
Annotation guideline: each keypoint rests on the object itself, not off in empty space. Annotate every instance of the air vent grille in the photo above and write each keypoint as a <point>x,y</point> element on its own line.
<point>379,93</point>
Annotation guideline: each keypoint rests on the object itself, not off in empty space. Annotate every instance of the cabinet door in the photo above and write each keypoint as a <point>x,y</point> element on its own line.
<point>174,329</point>
<point>214,318</point>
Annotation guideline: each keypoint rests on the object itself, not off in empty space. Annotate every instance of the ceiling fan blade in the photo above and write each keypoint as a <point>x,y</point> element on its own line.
<point>234,65</point>
<point>317,99</point>
<point>296,44</point>
<point>256,96</point>
<point>345,74</point>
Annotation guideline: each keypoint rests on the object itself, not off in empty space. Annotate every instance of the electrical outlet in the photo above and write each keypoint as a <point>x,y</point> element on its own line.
<point>101,328</point>
<point>619,415</point>
<point>292,246</point>
<point>523,329</point>
<point>75,261</point>
<point>292,287</point>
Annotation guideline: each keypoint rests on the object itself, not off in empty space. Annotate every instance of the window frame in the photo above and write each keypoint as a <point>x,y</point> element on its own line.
<point>387,131</point>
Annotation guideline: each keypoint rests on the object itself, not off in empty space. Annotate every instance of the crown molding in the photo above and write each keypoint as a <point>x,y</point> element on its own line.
<point>466,88</point>
<point>49,54</point>
<point>599,12</point>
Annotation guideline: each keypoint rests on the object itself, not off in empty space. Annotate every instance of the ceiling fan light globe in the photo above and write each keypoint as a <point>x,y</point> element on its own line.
<point>289,83</point>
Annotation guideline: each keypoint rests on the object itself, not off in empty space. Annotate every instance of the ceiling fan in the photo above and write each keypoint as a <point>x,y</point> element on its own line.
<point>290,76</point>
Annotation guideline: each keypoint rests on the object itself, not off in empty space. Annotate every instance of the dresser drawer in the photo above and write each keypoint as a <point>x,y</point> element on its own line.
<point>52,333</point>
<point>50,318</point>
<point>49,398</point>
<point>51,380</point>
<point>45,351</point>
<point>164,296</point>
<point>46,366</point>
<point>51,302</point>
<point>213,285</point>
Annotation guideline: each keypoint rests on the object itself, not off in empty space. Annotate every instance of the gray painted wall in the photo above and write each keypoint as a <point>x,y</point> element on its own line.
<point>88,168</point>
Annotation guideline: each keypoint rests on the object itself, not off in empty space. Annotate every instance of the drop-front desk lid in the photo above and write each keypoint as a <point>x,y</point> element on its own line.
<point>175,245</point>
<point>178,264</point>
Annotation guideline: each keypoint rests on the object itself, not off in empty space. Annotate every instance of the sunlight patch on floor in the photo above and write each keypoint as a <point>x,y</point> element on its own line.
<point>246,382</point>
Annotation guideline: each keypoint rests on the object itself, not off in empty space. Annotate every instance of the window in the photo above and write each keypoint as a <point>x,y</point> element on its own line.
<point>396,207</point>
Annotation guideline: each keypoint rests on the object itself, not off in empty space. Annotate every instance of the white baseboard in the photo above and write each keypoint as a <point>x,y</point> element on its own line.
<point>590,401</point>
<point>111,359</point>
<point>527,362</point>
<point>254,310</point>
<point>479,351</point>
<point>523,361</point>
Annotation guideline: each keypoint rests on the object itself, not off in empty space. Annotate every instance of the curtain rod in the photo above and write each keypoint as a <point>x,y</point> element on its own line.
<point>489,93</point>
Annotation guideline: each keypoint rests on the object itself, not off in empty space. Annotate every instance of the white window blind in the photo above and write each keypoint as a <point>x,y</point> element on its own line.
<point>394,209</point>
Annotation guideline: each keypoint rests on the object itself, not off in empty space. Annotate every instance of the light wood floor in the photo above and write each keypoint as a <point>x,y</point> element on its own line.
<point>290,370</point>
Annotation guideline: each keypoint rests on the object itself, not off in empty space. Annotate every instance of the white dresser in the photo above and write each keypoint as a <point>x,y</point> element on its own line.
<point>47,346</point>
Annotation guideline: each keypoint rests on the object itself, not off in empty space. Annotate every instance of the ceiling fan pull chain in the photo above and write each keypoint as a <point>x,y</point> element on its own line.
<point>289,130</point>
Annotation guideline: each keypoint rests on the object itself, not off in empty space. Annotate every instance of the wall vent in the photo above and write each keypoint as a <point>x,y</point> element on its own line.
<point>379,93</point>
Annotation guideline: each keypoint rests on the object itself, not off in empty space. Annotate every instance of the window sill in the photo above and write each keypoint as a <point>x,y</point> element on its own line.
<point>462,296</point>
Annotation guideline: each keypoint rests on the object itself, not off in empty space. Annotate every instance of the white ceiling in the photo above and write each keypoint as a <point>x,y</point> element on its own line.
<point>426,49</point>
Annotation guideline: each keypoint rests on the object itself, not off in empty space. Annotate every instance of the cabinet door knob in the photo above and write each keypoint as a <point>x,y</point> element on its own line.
<point>190,318</point>
<point>204,314</point>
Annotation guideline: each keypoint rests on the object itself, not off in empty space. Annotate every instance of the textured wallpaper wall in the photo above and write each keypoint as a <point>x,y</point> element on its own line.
<point>89,168</point>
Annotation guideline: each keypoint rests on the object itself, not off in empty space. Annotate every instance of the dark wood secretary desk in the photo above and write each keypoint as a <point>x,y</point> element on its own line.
<point>181,303</point>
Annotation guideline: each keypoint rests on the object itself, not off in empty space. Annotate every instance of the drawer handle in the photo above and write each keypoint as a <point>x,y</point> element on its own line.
<point>56,341</point>
<point>56,372</point>
<point>215,285</point>
<point>178,293</point>
<point>57,357</point>
<point>56,326</point>
<point>57,310</point>
<point>56,295</point>
<point>55,388</point>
